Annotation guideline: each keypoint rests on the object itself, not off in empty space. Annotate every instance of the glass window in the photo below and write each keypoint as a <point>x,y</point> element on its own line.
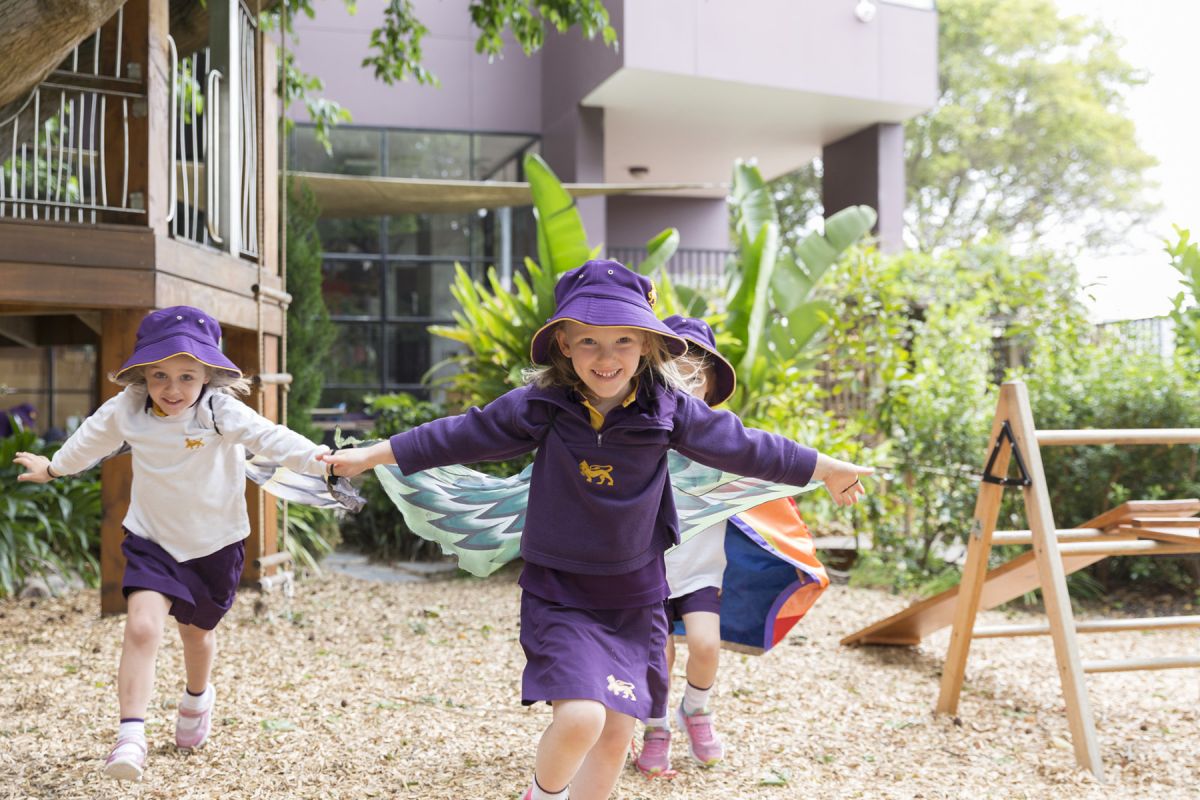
<point>438,156</point>
<point>430,235</point>
<point>498,157</point>
<point>355,355</point>
<point>352,287</point>
<point>356,235</point>
<point>355,151</point>
<point>412,350</point>
<point>421,289</point>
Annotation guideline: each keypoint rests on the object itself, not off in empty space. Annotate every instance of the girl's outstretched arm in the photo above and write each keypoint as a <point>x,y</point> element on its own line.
<point>355,460</point>
<point>842,479</point>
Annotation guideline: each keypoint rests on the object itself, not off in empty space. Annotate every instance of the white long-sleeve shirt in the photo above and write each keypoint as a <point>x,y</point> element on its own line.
<point>189,470</point>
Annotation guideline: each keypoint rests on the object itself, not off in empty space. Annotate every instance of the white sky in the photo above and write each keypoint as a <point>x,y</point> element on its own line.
<point>1161,37</point>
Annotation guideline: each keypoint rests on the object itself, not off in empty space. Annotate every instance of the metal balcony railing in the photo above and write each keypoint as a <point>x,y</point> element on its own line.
<point>695,268</point>
<point>57,161</point>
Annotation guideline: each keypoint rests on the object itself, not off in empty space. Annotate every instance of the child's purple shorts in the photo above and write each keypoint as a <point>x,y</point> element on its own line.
<point>201,590</point>
<point>707,598</point>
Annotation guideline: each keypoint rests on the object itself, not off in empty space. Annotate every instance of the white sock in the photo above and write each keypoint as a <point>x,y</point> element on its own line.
<point>694,699</point>
<point>192,703</point>
<point>658,722</point>
<point>538,793</point>
<point>134,729</point>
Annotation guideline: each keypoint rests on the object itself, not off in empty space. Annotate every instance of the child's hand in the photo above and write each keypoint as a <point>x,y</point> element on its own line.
<point>38,467</point>
<point>357,460</point>
<point>842,479</point>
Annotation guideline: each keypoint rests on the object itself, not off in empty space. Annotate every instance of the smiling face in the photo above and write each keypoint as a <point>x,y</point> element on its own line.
<point>175,384</point>
<point>605,359</point>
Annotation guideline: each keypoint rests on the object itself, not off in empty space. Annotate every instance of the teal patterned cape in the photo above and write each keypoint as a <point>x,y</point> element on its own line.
<point>478,518</point>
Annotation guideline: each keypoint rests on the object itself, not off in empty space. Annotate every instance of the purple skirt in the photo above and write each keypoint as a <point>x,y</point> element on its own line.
<point>201,590</point>
<point>616,656</point>
<point>707,598</point>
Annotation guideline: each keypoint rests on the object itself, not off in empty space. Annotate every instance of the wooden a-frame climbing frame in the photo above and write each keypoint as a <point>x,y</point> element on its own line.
<point>1135,528</point>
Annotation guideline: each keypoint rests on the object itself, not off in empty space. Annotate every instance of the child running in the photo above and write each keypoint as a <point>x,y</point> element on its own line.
<point>694,580</point>
<point>187,512</point>
<point>603,409</point>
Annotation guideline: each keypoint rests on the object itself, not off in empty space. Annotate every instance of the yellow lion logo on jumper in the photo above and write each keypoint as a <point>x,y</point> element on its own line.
<point>602,474</point>
<point>194,444</point>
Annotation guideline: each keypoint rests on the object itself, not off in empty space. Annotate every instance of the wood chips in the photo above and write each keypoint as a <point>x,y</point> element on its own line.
<point>412,690</point>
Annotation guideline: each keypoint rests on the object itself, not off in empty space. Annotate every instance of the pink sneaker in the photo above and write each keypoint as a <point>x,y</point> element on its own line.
<point>655,759</point>
<point>127,760</point>
<point>703,742</point>
<point>192,727</point>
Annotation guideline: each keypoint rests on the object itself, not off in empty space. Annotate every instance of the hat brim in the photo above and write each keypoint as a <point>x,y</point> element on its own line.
<point>725,378</point>
<point>603,311</point>
<point>178,345</point>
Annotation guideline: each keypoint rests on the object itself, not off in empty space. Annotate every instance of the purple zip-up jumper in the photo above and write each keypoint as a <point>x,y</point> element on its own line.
<point>600,502</point>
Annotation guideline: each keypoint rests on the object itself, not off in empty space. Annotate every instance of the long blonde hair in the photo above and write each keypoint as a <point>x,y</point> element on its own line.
<point>219,380</point>
<point>659,364</point>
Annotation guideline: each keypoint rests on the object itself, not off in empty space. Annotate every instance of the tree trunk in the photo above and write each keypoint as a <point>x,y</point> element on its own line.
<point>36,35</point>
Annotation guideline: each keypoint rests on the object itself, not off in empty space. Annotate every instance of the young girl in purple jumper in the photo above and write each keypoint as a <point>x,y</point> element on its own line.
<point>187,517</point>
<point>602,411</point>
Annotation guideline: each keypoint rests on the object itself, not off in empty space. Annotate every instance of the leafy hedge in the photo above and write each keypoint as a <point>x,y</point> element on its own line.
<point>46,529</point>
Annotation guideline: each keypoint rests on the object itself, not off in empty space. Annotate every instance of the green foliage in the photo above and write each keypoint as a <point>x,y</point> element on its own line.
<point>1185,258</point>
<point>770,309</point>
<point>312,534</point>
<point>46,529</point>
<point>1083,385</point>
<point>310,333</point>
<point>1030,133</point>
<point>379,529</point>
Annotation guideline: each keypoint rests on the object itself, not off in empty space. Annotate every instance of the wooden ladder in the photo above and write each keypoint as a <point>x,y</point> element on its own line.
<point>1135,528</point>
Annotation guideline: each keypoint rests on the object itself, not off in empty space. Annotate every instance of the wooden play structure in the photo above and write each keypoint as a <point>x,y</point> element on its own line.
<point>141,173</point>
<point>1134,528</point>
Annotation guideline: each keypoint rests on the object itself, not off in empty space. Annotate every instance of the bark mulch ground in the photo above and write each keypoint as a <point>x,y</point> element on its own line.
<point>412,690</point>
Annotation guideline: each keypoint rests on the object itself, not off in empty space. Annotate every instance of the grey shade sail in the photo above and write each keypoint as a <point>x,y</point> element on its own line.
<point>369,196</point>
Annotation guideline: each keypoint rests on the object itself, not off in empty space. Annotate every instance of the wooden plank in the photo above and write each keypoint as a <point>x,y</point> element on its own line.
<point>1136,664</point>
<point>119,333</point>
<point>88,287</point>
<point>1175,535</point>
<point>242,347</point>
<point>230,308</point>
<point>1004,583</point>
<point>117,246</point>
<point>966,607</point>
<point>1145,508</point>
<point>1054,584</point>
<point>211,268</point>
<point>1138,547</point>
<point>1120,436</point>
<point>1164,522</point>
<point>1063,535</point>
<point>1092,626</point>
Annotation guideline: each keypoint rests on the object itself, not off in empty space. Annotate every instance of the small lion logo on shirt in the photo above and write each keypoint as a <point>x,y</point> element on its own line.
<point>622,689</point>
<point>602,473</point>
<point>193,444</point>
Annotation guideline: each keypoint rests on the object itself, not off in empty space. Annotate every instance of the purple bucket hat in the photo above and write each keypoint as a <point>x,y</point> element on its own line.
<point>609,295</point>
<point>178,331</point>
<point>698,334</point>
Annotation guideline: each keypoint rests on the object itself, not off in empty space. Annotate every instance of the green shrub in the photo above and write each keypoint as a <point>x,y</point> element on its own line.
<point>46,529</point>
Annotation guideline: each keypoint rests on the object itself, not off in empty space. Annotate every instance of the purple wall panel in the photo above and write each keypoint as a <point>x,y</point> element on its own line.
<point>634,219</point>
